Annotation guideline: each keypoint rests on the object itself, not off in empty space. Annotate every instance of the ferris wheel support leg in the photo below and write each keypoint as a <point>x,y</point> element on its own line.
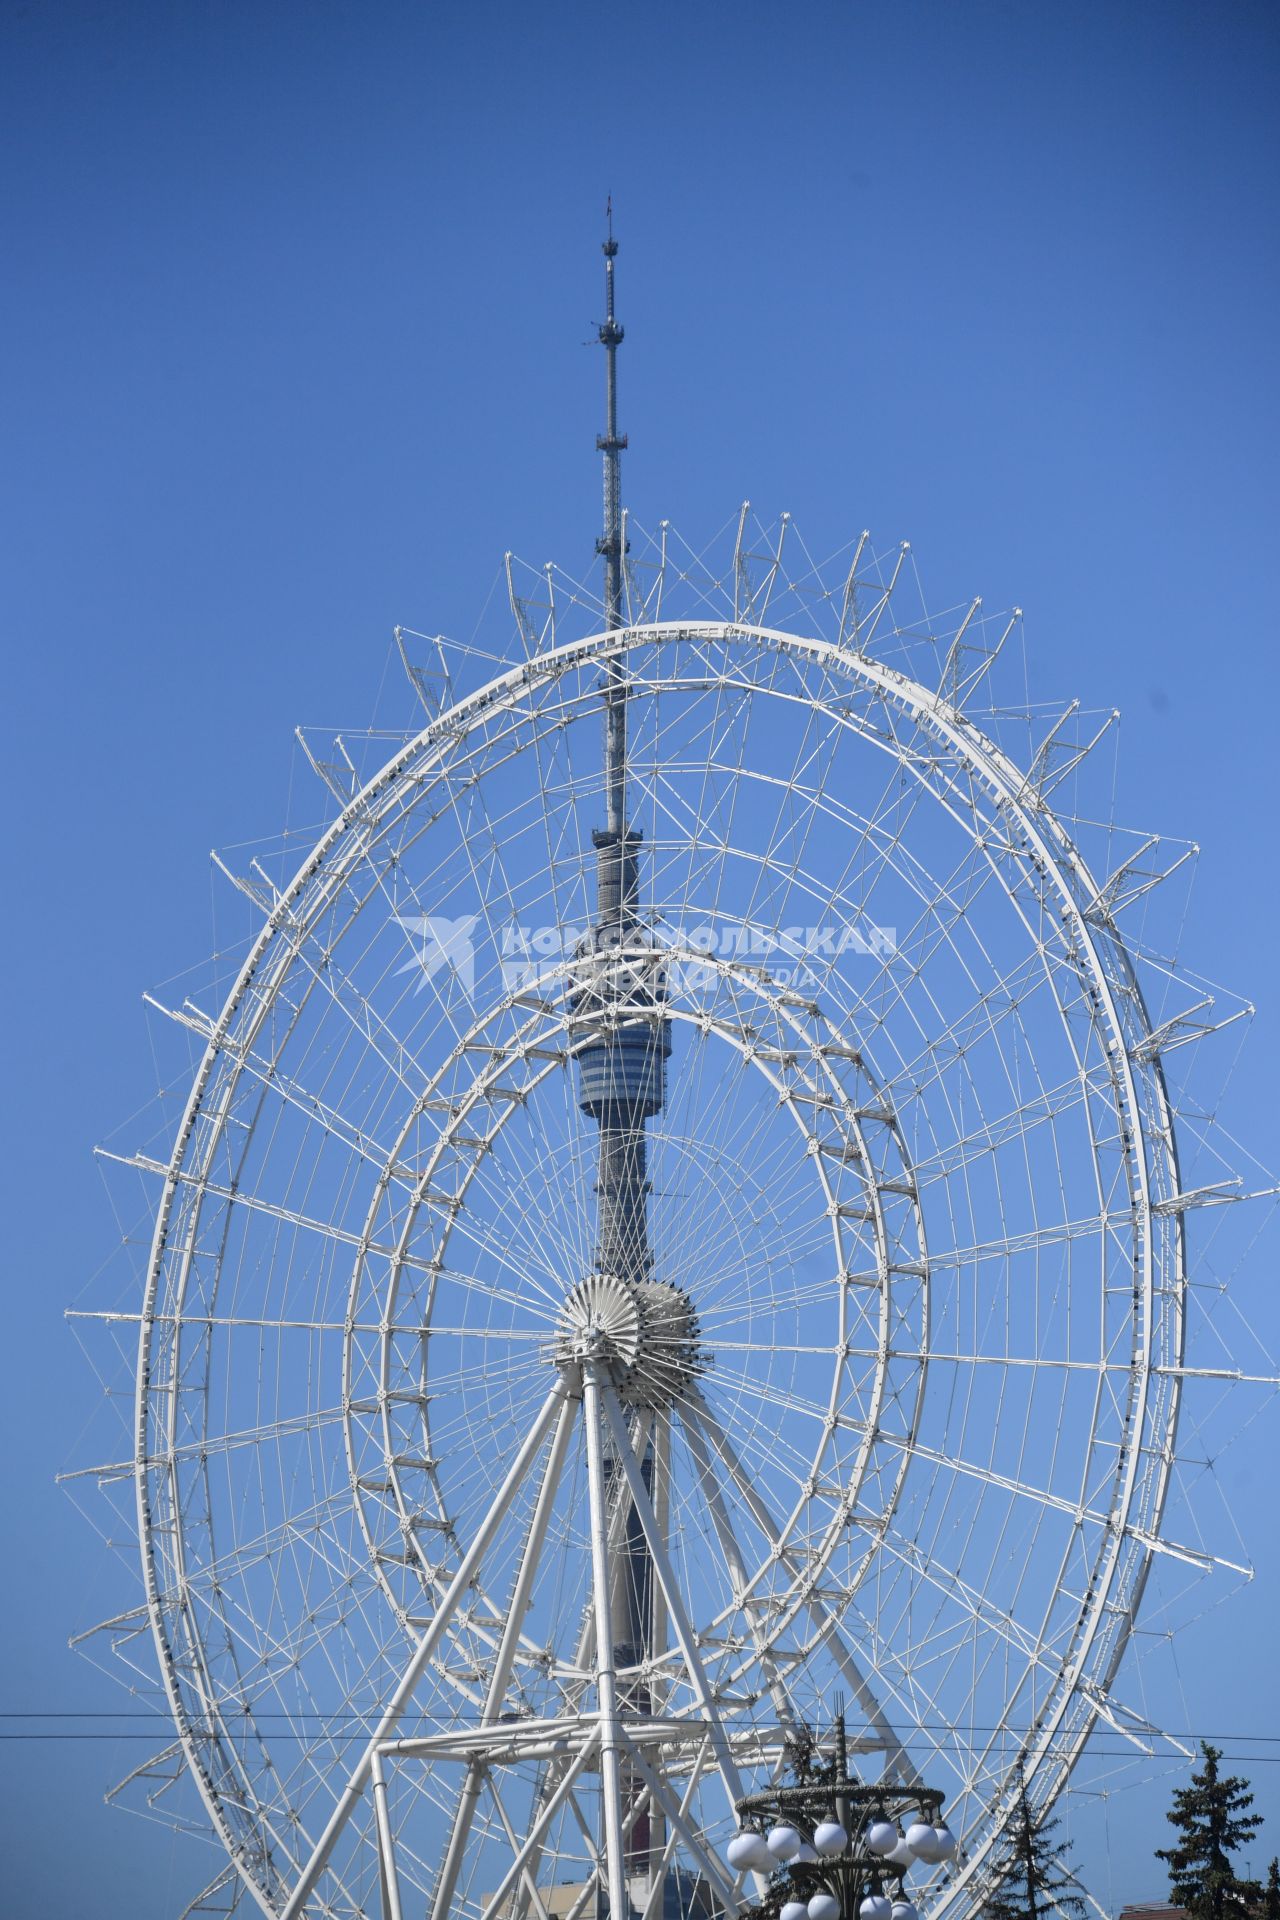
<point>714,1497</point>
<point>696,1412</point>
<point>594,1386</point>
<point>584,1657</point>
<point>388,1877</point>
<point>535,1539</point>
<point>659,1626</point>
<point>424,1650</point>
<point>680,1622</point>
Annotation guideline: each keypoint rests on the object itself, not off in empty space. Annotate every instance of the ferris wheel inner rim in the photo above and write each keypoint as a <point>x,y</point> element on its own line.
<point>906,1267</point>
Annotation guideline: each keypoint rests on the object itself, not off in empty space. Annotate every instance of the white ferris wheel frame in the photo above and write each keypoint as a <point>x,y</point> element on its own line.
<point>1141,1481</point>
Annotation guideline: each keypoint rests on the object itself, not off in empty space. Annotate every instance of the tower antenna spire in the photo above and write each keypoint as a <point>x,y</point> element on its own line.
<point>610,444</point>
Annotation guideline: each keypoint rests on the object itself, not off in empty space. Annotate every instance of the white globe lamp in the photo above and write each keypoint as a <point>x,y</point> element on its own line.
<point>748,1851</point>
<point>923,1841</point>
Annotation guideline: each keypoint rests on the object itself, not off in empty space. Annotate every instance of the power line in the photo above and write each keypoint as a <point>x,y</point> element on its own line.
<point>953,1727</point>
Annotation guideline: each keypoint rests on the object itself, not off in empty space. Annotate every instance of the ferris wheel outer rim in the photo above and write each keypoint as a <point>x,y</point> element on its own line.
<point>1009,786</point>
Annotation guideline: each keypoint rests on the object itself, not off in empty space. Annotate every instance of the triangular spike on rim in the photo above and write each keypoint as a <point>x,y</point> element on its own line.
<point>1128,1722</point>
<point>949,679</point>
<point>647,605</point>
<point>104,1473</point>
<point>1191,1556</point>
<point>535,618</point>
<point>119,1626</point>
<point>1056,758</point>
<point>741,578</point>
<point>519,610</point>
<point>260,892</point>
<point>338,775</point>
<point>765,594</point>
<point>167,1767</point>
<point>1183,1028</point>
<point>959,680</point>
<point>633,601</point>
<point>1131,879</point>
<point>140,1162</point>
<point>1236,1375</point>
<point>265,878</point>
<point>884,590</point>
<point>850,625</point>
<point>750,599</point>
<point>187,1015</point>
<point>433,685</point>
<point>1221,1194</point>
<point>210,1899</point>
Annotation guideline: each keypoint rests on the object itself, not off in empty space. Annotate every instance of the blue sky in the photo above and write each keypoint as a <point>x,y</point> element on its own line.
<point>292,348</point>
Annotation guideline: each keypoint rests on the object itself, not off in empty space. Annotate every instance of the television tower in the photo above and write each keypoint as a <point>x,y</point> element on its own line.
<point>647,1331</point>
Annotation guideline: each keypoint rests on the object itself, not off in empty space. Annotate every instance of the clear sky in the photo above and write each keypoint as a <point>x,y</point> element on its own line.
<point>292,334</point>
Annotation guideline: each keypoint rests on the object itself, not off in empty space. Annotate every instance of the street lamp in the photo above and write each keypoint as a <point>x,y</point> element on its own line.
<point>843,1843</point>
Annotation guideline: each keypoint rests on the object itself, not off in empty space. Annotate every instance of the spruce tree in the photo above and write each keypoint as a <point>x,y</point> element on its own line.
<point>1271,1894</point>
<point>1211,1820</point>
<point>1033,1878</point>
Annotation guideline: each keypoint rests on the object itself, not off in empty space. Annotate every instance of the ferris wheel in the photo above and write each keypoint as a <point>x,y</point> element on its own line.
<point>663,1234</point>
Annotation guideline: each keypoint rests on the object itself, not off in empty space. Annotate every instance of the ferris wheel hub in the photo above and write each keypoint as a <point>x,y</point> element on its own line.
<point>645,1331</point>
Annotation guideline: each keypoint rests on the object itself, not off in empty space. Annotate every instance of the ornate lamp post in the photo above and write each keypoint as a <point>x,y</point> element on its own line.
<point>845,1846</point>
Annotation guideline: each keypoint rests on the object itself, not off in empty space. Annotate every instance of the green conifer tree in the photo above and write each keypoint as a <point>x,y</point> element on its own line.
<point>1271,1894</point>
<point>1211,1820</point>
<point>1034,1880</point>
